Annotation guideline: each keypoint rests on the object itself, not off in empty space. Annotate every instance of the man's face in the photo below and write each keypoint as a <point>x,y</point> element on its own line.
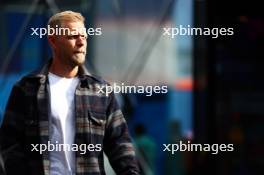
<point>70,47</point>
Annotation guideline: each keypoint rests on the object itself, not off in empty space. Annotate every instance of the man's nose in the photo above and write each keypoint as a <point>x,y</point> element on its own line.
<point>81,41</point>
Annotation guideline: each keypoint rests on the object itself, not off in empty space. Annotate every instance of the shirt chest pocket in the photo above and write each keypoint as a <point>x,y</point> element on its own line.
<point>96,125</point>
<point>92,127</point>
<point>91,131</point>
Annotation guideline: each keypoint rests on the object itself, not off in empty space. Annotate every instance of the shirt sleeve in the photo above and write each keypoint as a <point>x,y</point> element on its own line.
<point>117,142</point>
<point>12,133</point>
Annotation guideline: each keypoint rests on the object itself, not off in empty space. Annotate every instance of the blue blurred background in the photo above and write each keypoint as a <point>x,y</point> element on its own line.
<point>215,85</point>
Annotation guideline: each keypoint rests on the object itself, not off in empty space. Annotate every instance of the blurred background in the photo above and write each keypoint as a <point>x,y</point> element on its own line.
<point>215,86</point>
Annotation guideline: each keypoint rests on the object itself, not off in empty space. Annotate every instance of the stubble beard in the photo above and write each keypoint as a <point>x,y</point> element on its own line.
<point>76,60</point>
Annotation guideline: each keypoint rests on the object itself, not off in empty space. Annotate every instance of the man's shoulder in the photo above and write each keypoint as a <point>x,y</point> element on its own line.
<point>31,78</point>
<point>95,79</point>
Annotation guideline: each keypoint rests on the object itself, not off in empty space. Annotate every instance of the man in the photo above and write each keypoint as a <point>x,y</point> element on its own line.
<point>60,105</point>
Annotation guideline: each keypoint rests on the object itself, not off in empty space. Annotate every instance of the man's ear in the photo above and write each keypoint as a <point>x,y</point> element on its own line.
<point>52,40</point>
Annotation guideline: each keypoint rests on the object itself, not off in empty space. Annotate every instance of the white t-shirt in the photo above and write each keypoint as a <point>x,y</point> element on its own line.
<point>62,128</point>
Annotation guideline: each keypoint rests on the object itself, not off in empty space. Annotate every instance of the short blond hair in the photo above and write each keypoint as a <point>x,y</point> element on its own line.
<point>65,16</point>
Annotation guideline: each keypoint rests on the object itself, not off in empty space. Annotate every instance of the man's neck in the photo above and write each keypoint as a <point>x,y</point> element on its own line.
<point>62,70</point>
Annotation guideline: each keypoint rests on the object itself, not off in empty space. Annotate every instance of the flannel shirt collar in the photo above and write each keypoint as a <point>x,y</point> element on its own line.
<point>42,73</point>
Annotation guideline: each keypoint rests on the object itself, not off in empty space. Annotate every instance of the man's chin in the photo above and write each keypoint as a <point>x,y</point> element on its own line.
<point>78,61</point>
